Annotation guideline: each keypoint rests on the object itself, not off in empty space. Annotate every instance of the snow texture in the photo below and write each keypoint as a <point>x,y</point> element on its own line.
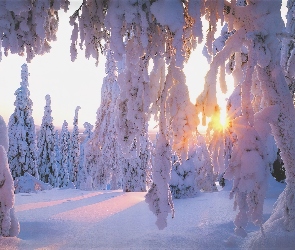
<point>54,219</point>
<point>9,225</point>
<point>28,184</point>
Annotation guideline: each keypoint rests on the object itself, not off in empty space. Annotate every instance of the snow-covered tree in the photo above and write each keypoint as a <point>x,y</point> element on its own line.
<point>205,177</point>
<point>28,27</point>
<point>145,156</point>
<point>83,174</point>
<point>57,160</point>
<point>9,225</point>
<point>288,45</point>
<point>21,131</point>
<point>183,183</point>
<point>46,142</point>
<point>102,157</point>
<point>64,146</point>
<point>134,171</point>
<point>74,153</point>
<point>3,134</point>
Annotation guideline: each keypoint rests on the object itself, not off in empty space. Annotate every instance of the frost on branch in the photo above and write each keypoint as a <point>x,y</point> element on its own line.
<point>181,113</point>
<point>159,196</point>
<point>28,27</point>
<point>132,103</point>
<point>248,169</point>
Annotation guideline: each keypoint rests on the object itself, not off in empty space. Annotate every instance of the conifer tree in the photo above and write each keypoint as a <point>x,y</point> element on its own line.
<point>46,142</point>
<point>183,183</point>
<point>3,134</point>
<point>83,174</point>
<point>102,149</point>
<point>205,178</point>
<point>134,170</point>
<point>57,160</point>
<point>21,132</point>
<point>74,153</point>
<point>64,145</point>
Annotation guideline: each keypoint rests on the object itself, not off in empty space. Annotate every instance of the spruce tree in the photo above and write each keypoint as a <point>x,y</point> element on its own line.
<point>46,142</point>
<point>63,174</point>
<point>83,174</point>
<point>57,160</point>
<point>74,153</point>
<point>3,134</point>
<point>21,132</point>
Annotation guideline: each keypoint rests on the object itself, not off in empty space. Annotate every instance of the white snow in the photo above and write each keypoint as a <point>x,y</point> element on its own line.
<point>76,219</point>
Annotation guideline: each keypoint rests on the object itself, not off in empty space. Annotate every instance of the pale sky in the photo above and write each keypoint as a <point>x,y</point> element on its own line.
<point>69,84</point>
<point>72,84</point>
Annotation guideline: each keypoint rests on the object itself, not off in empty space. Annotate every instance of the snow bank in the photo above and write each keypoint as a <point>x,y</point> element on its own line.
<point>28,184</point>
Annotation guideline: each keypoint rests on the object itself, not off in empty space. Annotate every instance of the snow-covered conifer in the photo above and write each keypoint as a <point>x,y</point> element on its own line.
<point>103,149</point>
<point>205,177</point>
<point>64,146</point>
<point>57,160</point>
<point>288,48</point>
<point>9,225</point>
<point>183,183</point>
<point>74,153</point>
<point>3,134</point>
<point>82,172</point>
<point>134,171</point>
<point>46,142</point>
<point>21,131</point>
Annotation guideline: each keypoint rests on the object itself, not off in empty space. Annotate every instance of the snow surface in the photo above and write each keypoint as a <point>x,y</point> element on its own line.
<point>76,219</point>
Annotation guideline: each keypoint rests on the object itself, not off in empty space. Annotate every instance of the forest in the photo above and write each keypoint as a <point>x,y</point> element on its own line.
<point>254,46</point>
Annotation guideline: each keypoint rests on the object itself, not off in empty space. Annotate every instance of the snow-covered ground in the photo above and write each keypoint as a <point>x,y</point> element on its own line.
<point>76,219</point>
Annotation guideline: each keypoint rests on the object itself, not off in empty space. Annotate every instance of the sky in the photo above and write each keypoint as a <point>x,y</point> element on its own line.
<point>72,84</point>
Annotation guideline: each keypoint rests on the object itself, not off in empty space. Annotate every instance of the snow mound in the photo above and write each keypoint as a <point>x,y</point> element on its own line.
<point>28,184</point>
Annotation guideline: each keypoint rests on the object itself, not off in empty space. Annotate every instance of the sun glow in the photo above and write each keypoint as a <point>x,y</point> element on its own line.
<point>223,119</point>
